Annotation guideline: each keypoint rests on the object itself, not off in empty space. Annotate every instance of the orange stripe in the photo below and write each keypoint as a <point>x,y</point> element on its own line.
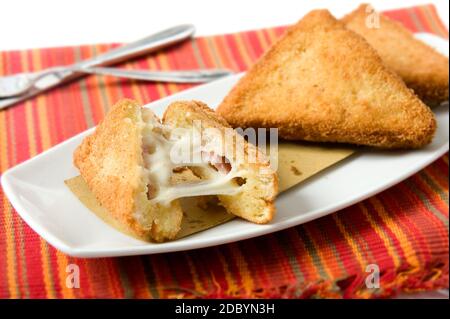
<point>425,14</point>
<point>232,286</point>
<point>47,270</point>
<point>20,240</point>
<point>203,53</point>
<point>429,26</point>
<point>11,263</point>
<point>306,262</point>
<point>194,273</point>
<point>2,63</point>
<point>6,216</point>
<point>243,50</point>
<point>46,143</point>
<point>410,253</point>
<point>247,280</point>
<point>272,35</point>
<point>41,107</point>
<point>437,177</point>
<point>381,234</point>
<point>160,88</point>
<point>262,39</point>
<point>220,43</point>
<point>162,59</point>
<point>118,291</point>
<point>62,262</point>
<point>433,15</point>
<point>320,253</point>
<point>350,241</point>
<point>3,142</point>
<point>214,53</point>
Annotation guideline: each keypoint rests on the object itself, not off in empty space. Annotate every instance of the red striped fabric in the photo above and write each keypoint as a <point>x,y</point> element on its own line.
<point>404,230</point>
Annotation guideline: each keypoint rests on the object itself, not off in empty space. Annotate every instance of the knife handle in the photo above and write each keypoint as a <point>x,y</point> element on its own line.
<point>151,43</point>
<point>148,44</point>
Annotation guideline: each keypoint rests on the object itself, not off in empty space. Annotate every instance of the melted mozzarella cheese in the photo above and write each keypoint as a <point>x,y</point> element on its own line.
<point>159,145</point>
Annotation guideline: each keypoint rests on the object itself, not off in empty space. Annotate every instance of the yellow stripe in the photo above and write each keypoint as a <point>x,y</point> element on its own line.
<point>140,92</point>
<point>262,39</point>
<point>397,231</point>
<point>272,35</point>
<point>41,108</point>
<point>62,262</point>
<point>159,87</point>
<point>351,241</point>
<point>381,234</point>
<point>32,150</point>
<point>247,280</point>
<point>165,65</point>
<point>98,82</point>
<point>432,21</point>
<point>45,142</point>
<point>136,91</point>
<point>232,287</point>
<point>2,64</point>
<point>213,53</point>
<point>11,264</point>
<point>224,48</point>
<point>430,172</point>
<point>242,50</point>
<point>3,142</point>
<point>30,128</point>
<point>197,282</point>
<point>46,270</point>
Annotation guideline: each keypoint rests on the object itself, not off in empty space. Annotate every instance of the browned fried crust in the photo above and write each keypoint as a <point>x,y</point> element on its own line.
<point>257,202</point>
<point>322,82</point>
<point>421,67</point>
<point>110,161</point>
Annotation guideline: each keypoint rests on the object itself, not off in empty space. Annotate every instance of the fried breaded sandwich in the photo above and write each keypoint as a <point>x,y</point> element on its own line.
<point>242,162</point>
<point>421,67</point>
<point>136,168</point>
<point>321,82</point>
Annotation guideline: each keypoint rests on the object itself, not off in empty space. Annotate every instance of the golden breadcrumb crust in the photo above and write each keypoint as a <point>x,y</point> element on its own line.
<point>256,201</point>
<point>421,67</point>
<point>111,162</point>
<point>322,82</point>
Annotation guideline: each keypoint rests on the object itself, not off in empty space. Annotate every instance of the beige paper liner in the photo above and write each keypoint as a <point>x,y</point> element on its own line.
<point>296,163</point>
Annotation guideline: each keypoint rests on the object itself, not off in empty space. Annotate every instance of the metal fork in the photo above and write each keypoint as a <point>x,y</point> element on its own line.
<point>30,84</point>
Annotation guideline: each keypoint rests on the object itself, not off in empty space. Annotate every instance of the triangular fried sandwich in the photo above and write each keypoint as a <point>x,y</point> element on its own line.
<point>230,156</point>
<point>321,82</point>
<point>421,67</point>
<point>132,165</point>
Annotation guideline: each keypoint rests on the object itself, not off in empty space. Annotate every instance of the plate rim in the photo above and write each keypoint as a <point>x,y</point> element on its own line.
<point>6,181</point>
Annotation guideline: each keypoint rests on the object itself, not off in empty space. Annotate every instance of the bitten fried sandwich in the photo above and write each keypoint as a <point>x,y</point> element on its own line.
<point>322,82</point>
<point>136,168</point>
<point>421,67</point>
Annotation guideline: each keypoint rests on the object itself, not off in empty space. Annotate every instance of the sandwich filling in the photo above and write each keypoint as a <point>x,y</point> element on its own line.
<point>166,150</point>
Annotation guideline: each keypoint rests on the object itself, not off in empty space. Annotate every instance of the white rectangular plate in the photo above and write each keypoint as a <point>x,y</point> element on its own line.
<point>37,191</point>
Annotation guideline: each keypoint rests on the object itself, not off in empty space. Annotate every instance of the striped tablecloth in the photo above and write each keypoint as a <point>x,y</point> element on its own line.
<point>404,230</point>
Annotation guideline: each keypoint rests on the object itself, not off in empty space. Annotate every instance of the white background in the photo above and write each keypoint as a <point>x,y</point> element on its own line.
<point>47,23</point>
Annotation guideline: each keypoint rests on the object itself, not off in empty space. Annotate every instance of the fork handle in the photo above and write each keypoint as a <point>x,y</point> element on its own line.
<point>184,76</point>
<point>148,44</point>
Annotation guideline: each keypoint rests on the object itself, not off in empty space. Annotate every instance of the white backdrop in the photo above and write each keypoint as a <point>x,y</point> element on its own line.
<point>46,23</point>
